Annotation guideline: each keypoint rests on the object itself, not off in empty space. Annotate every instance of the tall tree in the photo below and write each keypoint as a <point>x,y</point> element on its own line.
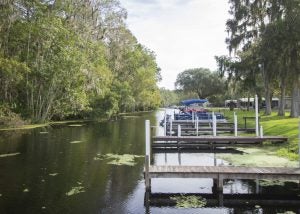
<point>201,81</point>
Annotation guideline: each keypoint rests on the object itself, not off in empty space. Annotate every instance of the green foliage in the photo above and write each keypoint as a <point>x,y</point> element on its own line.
<point>264,36</point>
<point>58,60</point>
<point>168,97</point>
<point>201,81</point>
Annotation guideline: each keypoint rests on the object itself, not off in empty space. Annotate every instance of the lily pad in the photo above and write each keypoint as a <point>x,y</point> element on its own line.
<point>9,154</point>
<point>189,201</point>
<point>75,190</point>
<point>76,125</point>
<point>53,174</point>
<point>26,190</point>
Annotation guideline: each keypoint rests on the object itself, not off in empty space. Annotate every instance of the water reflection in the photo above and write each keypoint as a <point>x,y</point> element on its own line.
<point>49,166</point>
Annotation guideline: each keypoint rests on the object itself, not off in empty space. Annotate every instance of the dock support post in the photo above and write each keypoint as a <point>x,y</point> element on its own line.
<point>261,132</point>
<point>256,117</point>
<point>147,156</point>
<point>214,125</point>
<point>220,184</point>
<point>171,127</point>
<point>257,186</point>
<point>235,124</point>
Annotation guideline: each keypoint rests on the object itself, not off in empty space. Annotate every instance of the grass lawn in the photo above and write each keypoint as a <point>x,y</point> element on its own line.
<point>273,125</point>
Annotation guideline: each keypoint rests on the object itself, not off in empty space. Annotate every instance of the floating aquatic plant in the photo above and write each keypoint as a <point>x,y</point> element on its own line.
<point>75,190</point>
<point>115,159</point>
<point>76,125</point>
<point>189,201</point>
<point>76,141</point>
<point>287,212</point>
<point>53,174</point>
<point>266,183</point>
<point>258,157</point>
<point>9,154</point>
<point>26,190</point>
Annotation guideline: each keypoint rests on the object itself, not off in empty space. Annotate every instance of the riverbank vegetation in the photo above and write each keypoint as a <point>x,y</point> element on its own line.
<point>264,59</point>
<point>71,59</point>
<point>273,125</point>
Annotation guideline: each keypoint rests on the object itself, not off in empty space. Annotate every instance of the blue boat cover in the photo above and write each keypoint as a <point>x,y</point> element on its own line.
<point>192,101</point>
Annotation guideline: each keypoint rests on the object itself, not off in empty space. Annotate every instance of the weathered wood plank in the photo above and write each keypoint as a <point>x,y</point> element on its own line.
<point>226,172</point>
<point>219,138</point>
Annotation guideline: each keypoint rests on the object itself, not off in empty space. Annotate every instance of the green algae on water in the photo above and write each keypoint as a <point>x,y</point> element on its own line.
<point>266,183</point>
<point>258,157</point>
<point>9,154</point>
<point>75,190</point>
<point>116,159</point>
<point>189,201</point>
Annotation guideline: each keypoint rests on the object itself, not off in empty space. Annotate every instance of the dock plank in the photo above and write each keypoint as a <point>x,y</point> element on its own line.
<point>227,172</point>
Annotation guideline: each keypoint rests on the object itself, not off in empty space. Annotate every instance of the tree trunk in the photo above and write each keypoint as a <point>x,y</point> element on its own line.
<point>295,89</point>
<point>295,100</point>
<point>281,108</point>
<point>248,103</point>
<point>268,109</point>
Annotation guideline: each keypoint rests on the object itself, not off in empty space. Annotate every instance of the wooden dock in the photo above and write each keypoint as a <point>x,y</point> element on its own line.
<point>210,141</point>
<point>220,173</point>
<point>207,129</point>
<point>224,172</point>
<point>217,173</point>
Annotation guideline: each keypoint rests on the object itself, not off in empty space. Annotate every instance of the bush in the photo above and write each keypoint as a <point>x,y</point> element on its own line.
<point>8,118</point>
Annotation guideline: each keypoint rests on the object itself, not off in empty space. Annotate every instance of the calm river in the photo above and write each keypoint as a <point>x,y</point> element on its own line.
<point>65,169</point>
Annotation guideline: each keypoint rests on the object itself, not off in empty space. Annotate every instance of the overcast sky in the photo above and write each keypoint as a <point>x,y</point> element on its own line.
<point>183,33</point>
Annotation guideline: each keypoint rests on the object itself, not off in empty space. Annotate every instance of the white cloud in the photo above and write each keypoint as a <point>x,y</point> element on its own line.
<point>183,33</point>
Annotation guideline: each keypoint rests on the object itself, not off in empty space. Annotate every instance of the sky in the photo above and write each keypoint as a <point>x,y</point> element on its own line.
<point>183,34</point>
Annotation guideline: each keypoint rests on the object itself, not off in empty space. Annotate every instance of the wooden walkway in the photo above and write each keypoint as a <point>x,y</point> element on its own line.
<point>219,173</point>
<point>217,139</point>
<point>205,129</point>
<point>224,172</point>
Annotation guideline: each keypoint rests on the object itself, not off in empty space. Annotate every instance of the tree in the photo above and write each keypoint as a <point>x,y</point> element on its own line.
<point>201,81</point>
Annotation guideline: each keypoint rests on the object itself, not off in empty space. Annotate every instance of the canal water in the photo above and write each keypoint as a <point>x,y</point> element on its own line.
<point>70,168</point>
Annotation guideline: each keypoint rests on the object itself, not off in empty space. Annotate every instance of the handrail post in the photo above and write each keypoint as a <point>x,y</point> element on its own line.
<point>214,124</point>
<point>179,131</point>
<point>165,124</point>
<point>235,125</point>
<point>197,125</point>
<point>261,132</point>
<point>171,126</point>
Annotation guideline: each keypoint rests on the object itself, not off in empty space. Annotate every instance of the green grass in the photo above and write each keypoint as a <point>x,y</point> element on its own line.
<point>273,125</point>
